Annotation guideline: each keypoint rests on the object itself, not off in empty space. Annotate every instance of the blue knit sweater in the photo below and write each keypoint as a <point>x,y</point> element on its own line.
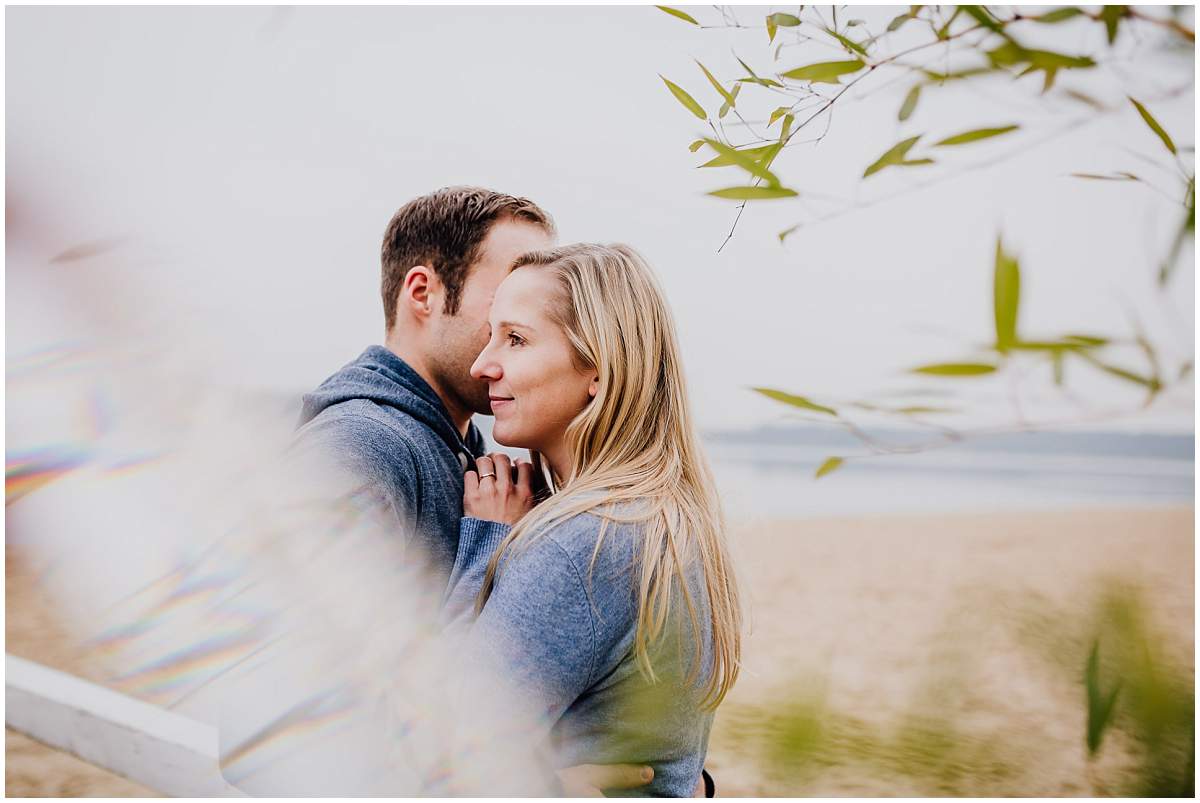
<point>562,630</point>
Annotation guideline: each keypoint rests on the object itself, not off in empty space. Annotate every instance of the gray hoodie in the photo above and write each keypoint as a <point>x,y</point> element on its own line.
<point>378,418</point>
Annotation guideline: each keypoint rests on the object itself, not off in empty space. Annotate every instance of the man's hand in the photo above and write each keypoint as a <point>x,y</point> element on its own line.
<point>494,494</point>
<point>589,780</point>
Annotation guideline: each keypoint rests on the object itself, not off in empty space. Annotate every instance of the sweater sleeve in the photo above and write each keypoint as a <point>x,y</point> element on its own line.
<point>477,542</point>
<point>537,631</point>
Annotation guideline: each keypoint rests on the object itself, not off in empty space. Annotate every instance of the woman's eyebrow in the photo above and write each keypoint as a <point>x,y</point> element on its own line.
<point>515,325</point>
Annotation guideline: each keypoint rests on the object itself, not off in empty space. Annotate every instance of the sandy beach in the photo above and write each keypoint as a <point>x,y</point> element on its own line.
<point>887,656</point>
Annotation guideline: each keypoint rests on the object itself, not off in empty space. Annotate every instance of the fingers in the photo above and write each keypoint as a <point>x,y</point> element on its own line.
<point>486,468</point>
<point>575,783</point>
<point>503,468</point>
<point>471,485</point>
<point>524,485</point>
<point>612,776</point>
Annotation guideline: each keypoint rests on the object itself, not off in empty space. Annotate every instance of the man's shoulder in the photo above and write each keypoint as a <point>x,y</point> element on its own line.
<point>364,421</point>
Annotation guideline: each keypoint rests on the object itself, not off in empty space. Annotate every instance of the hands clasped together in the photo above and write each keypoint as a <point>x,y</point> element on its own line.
<point>498,490</point>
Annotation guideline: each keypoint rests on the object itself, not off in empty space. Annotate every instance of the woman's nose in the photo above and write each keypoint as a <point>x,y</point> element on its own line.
<point>485,367</point>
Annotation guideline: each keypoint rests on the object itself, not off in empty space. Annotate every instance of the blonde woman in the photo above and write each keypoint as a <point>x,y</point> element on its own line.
<point>612,604</point>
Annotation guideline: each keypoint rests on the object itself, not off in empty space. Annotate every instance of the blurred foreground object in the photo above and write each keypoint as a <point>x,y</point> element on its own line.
<point>203,573</point>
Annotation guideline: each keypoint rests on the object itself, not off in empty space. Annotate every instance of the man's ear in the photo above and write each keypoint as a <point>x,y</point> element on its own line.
<point>420,291</point>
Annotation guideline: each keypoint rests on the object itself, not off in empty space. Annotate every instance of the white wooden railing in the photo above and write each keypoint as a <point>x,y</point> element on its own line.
<point>167,752</point>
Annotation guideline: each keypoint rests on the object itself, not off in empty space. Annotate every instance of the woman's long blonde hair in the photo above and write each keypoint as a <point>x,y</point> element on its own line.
<point>635,442</point>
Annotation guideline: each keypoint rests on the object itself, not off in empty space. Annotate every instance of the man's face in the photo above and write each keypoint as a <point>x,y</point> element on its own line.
<point>459,338</point>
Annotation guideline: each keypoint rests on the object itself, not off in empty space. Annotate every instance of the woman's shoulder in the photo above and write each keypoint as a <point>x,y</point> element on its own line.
<point>608,534</point>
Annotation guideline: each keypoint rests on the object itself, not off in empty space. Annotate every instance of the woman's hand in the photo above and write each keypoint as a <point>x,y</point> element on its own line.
<point>493,495</point>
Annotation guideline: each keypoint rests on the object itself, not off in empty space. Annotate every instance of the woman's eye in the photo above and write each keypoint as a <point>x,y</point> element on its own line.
<point>515,339</point>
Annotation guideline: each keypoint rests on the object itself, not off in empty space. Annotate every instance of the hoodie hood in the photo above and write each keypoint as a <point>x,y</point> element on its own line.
<point>381,377</point>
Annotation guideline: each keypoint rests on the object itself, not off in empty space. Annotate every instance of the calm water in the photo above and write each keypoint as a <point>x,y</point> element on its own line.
<point>769,473</point>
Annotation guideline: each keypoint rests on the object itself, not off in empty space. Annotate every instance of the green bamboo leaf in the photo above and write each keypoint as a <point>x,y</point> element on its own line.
<point>826,72</point>
<point>921,410</point>
<point>748,163</point>
<point>1011,54</point>
<point>1113,177</point>
<point>1083,97</point>
<point>722,160</point>
<point>775,115</point>
<point>687,100</point>
<point>755,79</point>
<point>830,465</point>
<point>786,128</point>
<point>724,110</point>
<point>761,82</point>
<point>944,32</point>
<point>1006,298</point>
<point>910,102</point>
<point>892,156</point>
<point>729,99</point>
<point>1058,15</point>
<point>914,162</point>
<point>772,151</point>
<point>785,20</point>
<point>976,135</point>
<point>898,22</point>
<point>695,146</point>
<point>1149,383</point>
<point>1154,126</point>
<point>849,44</point>
<point>1086,340</point>
<point>754,193</point>
<point>1111,17</point>
<point>1100,705</point>
<point>747,68</point>
<point>674,12</point>
<point>788,232</point>
<point>772,29</point>
<point>795,401</point>
<point>955,369</point>
<point>981,15</point>
<point>1185,232</point>
<point>943,77</point>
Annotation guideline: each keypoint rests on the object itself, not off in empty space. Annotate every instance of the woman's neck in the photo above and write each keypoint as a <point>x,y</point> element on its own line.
<point>558,458</point>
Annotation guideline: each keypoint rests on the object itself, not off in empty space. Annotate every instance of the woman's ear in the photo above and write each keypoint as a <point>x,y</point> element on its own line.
<point>594,387</point>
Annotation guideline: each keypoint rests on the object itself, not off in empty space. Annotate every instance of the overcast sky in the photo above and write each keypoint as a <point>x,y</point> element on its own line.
<point>247,160</point>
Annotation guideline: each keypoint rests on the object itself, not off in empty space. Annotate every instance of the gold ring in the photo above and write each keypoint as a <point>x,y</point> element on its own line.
<point>485,476</point>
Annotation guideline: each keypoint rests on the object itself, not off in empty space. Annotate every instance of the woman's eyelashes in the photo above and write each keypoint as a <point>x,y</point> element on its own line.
<point>515,339</point>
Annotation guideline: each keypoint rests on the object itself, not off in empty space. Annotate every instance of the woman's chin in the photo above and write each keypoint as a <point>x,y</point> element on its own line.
<point>502,436</point>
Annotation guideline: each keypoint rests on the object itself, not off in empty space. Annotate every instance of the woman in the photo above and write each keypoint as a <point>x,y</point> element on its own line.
<point>611,604</point>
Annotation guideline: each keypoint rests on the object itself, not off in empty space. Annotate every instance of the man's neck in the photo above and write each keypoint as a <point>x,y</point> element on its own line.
<point>460,416</point>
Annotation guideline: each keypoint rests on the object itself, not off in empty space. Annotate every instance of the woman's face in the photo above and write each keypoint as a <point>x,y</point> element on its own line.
<point>533,384</point>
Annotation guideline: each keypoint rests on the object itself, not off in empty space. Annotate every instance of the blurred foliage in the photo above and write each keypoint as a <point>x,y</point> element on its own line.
<point>1104,649</point>
<point>1135,681</point>
<point>800,735</point>
<point>971,44</point>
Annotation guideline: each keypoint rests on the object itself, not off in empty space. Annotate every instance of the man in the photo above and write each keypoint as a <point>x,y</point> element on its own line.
<point>399,417</point>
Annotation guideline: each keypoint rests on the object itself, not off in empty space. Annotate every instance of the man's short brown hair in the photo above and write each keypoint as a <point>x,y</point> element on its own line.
<point>444,231</point>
